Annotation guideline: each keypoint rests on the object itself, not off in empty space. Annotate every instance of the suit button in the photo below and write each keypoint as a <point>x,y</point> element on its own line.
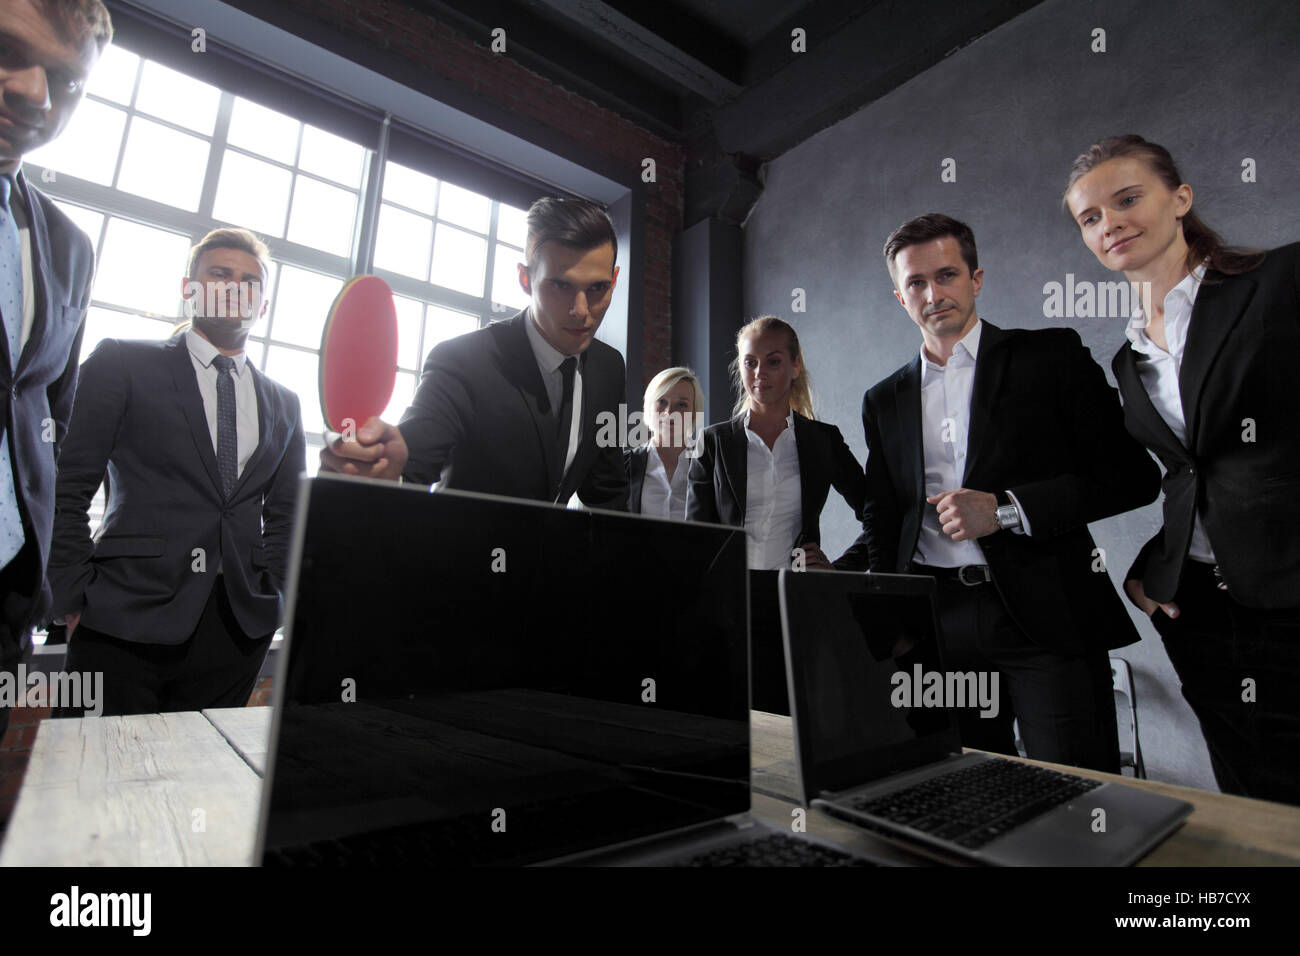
<point>14,391</point>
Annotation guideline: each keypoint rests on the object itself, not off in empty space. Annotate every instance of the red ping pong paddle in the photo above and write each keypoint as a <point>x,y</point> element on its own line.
<point>358,353</point>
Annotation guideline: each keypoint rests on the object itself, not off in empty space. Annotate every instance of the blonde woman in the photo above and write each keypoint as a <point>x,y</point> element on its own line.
<point>770,468</point>
<point>656,471</point>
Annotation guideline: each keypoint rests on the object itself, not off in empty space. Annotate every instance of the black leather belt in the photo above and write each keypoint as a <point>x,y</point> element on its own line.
<point>968,574</point>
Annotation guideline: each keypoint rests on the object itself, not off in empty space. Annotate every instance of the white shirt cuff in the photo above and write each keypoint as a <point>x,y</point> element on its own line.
<point>1024,518</point>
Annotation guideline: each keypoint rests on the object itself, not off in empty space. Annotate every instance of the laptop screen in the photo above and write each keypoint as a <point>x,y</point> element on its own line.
<point>503,681</point>
<point>860,649</point>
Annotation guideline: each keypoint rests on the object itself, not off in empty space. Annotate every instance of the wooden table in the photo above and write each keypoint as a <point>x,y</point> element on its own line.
<point>184,789</point>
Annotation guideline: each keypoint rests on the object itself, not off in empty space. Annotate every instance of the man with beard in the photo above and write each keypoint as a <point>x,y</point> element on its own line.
<point>177,599</point>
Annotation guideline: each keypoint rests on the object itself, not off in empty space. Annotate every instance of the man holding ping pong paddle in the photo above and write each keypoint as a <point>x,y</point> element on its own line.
<point>511,409</point>
<point>177,598</point>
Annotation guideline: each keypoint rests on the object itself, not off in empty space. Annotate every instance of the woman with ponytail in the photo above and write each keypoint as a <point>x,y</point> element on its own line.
<point>770,468</point>
<point>1208,386</point>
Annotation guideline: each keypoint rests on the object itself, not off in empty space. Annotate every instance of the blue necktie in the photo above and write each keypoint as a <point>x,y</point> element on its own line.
<point>11,310</point>
<point>227,431</point>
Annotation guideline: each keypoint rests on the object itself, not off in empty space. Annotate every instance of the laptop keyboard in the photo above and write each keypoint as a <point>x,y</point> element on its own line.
<point>775,849</point>
<point>977,804</point>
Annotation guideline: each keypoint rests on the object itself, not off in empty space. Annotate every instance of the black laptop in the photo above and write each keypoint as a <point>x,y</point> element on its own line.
<point>876,740</point>
<point>473,680</point>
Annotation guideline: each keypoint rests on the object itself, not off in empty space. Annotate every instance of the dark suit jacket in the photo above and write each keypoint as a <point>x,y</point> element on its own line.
<point>139,416</point>
<point>1241,465</point>
<point>481,421</point>
<point>36,399</point>
<point>719,475</point>
<point>635,461</point>
<point>1045,425</point>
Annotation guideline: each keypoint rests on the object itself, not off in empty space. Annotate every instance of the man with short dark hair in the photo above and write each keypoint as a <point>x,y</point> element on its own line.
<point>987,455</point>
<point>47,50</point>
<point>512,409</point>
<point>177,598</point>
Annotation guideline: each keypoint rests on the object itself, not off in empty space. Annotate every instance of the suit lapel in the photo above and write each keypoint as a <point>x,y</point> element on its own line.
<point>186,384</point>
<point>990,364</point>
<point>808,448</point>
<point>38,230</point>
<point>909,457</point>
<point>527,377</point>
<point>1218,308</point>
<point>734,463</point>
<point>1138,404</point>
<point>267,414</point>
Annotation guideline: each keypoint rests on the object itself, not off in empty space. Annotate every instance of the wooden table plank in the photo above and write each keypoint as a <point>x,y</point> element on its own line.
<point>149,790</point>
<point>248,729</point>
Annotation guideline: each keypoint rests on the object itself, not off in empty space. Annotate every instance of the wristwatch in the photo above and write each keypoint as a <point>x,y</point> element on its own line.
<point>1008,515</point>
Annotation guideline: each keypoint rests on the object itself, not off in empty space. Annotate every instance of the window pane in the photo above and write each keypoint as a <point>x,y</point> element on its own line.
<point>87,220</point>
<point>464,208</point>
<point>505,277</point>
<point>441,324</point>
<point>402,242</point>
<point>298,371</point>
<point>255,352</point>
<point>459,260</point>
<point>110,324</point>
<point>263,131</point>
<point>88,148</point>
<point>403,394</point>
<point>178,98</point>
<point>512,225</point>
<point>410,314</point>
<point>303,300</point>
<point>323,216</point>
<point>409,188</point>
<point>331,156</point>
<point>164,165</point>
<point>252,194</point>
<point>114,75</point>
<point>141,268</point>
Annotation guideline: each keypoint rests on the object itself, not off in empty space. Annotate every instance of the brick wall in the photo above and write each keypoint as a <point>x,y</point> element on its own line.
<point>467,62</point>
<point>15,748</point>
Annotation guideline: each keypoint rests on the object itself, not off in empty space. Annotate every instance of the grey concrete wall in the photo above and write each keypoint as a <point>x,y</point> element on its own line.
<point>1214,81</point>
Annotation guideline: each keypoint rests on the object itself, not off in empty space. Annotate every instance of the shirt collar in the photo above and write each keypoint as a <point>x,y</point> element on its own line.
<point>205,351</point>
<point>965,352</point>
<point>789,419</point>
<point>1178,302</point>
<point>549,358</point>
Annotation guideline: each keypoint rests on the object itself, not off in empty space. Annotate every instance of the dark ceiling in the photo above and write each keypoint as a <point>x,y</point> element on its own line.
<point>722,76</point>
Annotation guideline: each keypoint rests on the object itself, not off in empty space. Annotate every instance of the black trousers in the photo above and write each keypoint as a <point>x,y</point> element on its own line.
<point>16,605</point>
<point>1065,703</point>
<point>1240,671</point>
<point>216,666</point>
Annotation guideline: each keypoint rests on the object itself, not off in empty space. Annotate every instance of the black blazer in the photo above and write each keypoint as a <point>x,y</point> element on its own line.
<point>1241,465</point>
<point>1045,425</point>
<point>36,399</point>
<point>481,421</point>
<point>635,461</point>
<point>718,479</point>
<point>139,416</point>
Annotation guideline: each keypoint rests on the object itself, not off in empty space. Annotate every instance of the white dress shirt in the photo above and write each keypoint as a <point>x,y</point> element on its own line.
<point>1159,371</point>
<point>19,211</point>
<point>773,498</point>
<point>549,360</point>
<point>661,497</point>
<point>945,428</point>
<point>202,352</point>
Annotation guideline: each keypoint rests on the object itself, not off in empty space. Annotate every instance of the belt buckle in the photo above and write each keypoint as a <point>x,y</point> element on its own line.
<point>982,569</point>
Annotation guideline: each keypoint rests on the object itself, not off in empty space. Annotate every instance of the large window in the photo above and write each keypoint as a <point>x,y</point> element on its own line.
<point>153,159</point>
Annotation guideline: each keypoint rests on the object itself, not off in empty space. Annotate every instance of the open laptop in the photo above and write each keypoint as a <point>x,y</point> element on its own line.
<point>473,680</point>
<point>876,740</point>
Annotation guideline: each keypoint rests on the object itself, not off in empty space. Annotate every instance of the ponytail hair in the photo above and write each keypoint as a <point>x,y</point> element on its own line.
<point>800,388</point>
<point>1203,243</point>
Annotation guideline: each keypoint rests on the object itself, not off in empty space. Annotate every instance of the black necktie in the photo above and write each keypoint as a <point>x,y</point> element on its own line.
<point>565,418</point>
<point>227,431</point>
